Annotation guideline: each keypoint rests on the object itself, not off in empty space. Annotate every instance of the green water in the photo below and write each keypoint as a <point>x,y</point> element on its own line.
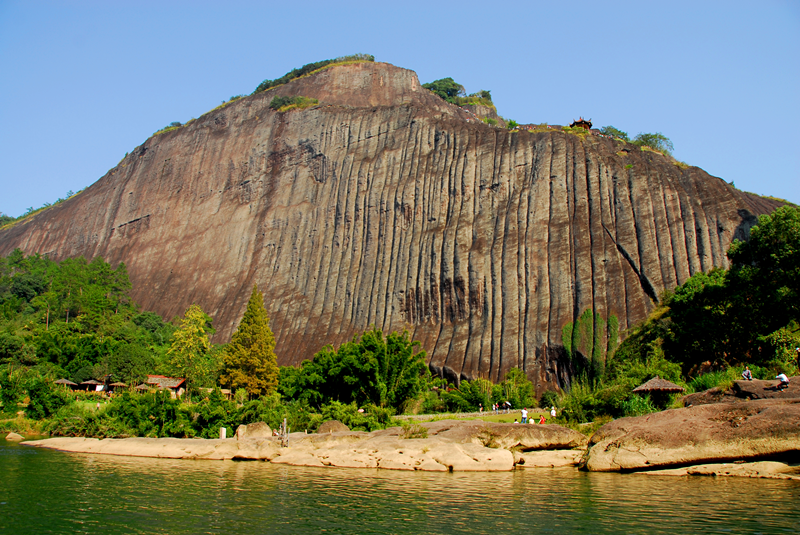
<point>44,491</point>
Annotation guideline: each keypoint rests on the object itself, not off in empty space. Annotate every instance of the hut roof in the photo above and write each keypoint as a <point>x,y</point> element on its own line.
<point>91,382</point>
<point>118,384</point>
<point>142,387</point>
<point>65,382</point>
<point>657,384</point>
<point>164,382</point>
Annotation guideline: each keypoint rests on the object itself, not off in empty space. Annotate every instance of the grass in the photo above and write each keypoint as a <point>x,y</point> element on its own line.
<point>21,425</point>
<point>575,130</point>
<point>301,104</point>
<point>167,129</point>
<point>680,164</point>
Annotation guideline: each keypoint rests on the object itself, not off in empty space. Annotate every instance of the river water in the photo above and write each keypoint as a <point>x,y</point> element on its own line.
<point>44,491</point>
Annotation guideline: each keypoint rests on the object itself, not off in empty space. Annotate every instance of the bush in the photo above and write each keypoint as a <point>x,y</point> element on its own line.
<point>372,419</point>
<point>288,103</point>
<point>414,430</point>
<point>638,405</point>
<point>613,132</point>
<point>45,398</point>
<point>548,399</point>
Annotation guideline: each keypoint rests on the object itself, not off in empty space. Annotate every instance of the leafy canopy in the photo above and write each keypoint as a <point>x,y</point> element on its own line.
<point>189,353</point>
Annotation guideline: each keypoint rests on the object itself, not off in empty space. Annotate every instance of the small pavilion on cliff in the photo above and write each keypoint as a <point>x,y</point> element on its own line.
<point>582,123</point>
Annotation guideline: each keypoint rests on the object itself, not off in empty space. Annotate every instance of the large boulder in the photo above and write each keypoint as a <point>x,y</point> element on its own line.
<point>14,437</point>
<point>757,389</point>
<point>333,426</point>
<point>254,430</point>
<point>747,430</point>
<point>745,390</point>
<point>523,437</point>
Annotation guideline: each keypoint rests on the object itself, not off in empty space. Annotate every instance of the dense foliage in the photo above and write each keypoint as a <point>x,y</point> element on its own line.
<point>309,68</point>
<point>76,317</point>
<point>373,369</point>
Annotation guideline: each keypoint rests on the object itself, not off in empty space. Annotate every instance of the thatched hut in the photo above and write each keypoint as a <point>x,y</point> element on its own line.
<point>93,385</point>
<point>659,390</point>
<point>658,385</point>
<point>66,383</point>
<point>142,388</point>
<point>113,387</point>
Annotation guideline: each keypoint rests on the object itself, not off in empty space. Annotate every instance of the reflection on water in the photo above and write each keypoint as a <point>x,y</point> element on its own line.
<point>50,492</point>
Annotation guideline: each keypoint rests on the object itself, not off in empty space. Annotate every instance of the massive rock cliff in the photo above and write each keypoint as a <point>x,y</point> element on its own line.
<point>386,205</point>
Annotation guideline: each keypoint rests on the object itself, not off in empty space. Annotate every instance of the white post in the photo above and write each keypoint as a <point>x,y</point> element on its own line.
<point>222,432</point>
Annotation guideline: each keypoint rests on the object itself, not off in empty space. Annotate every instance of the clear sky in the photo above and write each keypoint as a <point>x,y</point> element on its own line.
<point>82,83</point>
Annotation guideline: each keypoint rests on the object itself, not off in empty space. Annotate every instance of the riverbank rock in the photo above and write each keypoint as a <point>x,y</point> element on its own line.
<point>254,430</point>
<point>523,437</point>
<point>14,436</point>
<point>747,430</point>
<point>547,458</point>
<point>333,426</point>
<point>757,389</point>
<point>744,391</point>
<point>760,469</point>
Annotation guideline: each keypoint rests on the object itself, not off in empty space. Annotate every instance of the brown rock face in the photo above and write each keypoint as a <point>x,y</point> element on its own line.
<point>385,205</point>
<point>721,432</point>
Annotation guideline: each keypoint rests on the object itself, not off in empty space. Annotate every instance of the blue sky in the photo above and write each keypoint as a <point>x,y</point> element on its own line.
<point>82,83</point>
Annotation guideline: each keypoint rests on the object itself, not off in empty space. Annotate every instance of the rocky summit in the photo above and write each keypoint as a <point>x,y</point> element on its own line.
<point>383,204</point>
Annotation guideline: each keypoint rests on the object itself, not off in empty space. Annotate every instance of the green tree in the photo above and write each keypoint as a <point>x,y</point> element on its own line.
<point>188,353</point>
<point>614,132</point>
<point>447,88</point>
<point>371,369</point>
<point>249,361</point>
<point>657,141</point>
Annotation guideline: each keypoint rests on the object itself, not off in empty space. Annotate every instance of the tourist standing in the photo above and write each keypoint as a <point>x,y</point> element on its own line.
<point>553,412</point>
<point>525,415</point>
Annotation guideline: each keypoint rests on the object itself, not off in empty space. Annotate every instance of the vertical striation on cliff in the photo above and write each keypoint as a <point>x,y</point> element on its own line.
<point>385,205</point>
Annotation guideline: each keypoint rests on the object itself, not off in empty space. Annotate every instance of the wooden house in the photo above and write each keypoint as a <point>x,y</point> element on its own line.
<point>176,385</point>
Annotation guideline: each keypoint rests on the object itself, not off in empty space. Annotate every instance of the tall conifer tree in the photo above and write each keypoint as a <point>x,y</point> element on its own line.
<point>249,360</point>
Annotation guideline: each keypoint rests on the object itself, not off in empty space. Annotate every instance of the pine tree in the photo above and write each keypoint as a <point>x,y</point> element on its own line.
<point>249,360</point>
